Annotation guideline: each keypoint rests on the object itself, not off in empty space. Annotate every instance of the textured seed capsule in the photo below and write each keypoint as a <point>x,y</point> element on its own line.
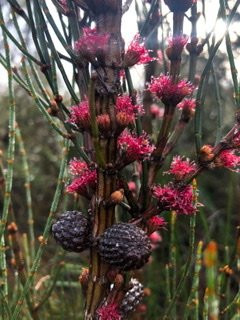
<point>132,298</point>
<point>124,246</point>
<point>72,231</point>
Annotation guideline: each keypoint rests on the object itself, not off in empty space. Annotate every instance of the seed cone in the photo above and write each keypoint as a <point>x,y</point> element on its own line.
<point>72,231</point>
<point>132,298</point>
<point>124,246</point>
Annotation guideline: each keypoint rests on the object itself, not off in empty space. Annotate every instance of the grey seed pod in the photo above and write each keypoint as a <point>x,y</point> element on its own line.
<point>72,231</point>
<point>132,297</point>
<point>124,246</point>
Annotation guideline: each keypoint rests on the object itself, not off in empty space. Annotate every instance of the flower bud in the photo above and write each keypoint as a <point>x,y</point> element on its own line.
<point>117,196</point>
<point>104,122</point>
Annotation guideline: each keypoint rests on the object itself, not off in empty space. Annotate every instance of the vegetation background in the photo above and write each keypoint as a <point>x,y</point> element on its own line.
<point>57,287</point>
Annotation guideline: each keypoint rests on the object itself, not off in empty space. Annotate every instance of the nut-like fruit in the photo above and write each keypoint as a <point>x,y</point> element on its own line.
<point>124,246</point>
<point>72,231</point>
<point>132,298</point>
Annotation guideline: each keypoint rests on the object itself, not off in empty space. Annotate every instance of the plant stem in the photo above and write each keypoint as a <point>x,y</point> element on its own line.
<point>186,269</point>
<point>198,115</point>
<point>10,161</point>
<point>27,186</point>
<point>46,233</point>
<point>103,216</point>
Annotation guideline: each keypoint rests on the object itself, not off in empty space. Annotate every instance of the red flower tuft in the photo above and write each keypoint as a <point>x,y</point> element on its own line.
<point>132,186</point>
<point>109,312</point>
<point>228,159</point>
<point>126,111</point>
<point>180,200</point>
<point>133,147</point>
<point>104,122</point>
<point>187,104</point>
<point>156,111</point>
<point>170,93</point>
<point>236,140</point>
<point>77,167</point>
<point>84,177</point>
<point>155,223</point>
<point>92,43</point>
<point>155,238</point>
<point>178,42</point>
<point>175,48</point>
<point>181,168</point>
<point>79,115</point>
<point>137,53</point>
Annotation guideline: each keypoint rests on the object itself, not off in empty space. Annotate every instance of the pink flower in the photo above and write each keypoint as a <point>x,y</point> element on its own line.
<point>91,43</point>
<point>156,111</point>
<point>132,186</point>
<point>85,178</point>
<point>181,168</point>
<point>104,122</point>
<point>137,53</point>
<point>228,159</point>
<point>175,48</point>
<point>180,200</point>
<point>122,74</point>
<point>134,148</point>
<point>155,223</point>
<point>126,111</point>
<point>79,115</point>
<point>77,167</point>
<point>170,93</point>
<point>178,42</point>
<point>188,107</point>
<point>236,140</point>
<point>82,184</point>
<point>155,238</point>
<point>109,312</point>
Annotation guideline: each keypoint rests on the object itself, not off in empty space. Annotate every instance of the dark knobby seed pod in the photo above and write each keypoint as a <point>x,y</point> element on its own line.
<point>132,297</point>
<point>72,231</point>
<point>125,246</point>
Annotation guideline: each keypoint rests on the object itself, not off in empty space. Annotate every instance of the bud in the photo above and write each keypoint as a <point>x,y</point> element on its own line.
<point>226,269</point>
<point>123,119</point>
<point>117,196</point>
<point>132,186</point>
<point>58,98</point>
<point>84,276</point>
<point>156,111</point>
<point>210,255</point>
<point>42,241</point>
<point>175,48</point>
<point>206,153</point>
<point>147,292</point>
<point>104,122</point>
<point>53,109</point>
<point>193,47</point>
<point>118,281</point>
<point>142,308</point>
<point>12,228</point>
